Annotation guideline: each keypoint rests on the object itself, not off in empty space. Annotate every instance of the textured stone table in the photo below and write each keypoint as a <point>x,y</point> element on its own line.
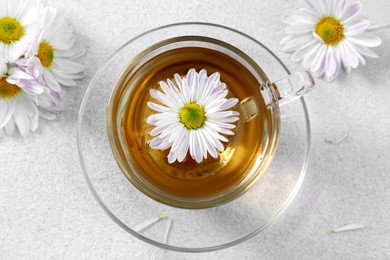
<point>47,211</point>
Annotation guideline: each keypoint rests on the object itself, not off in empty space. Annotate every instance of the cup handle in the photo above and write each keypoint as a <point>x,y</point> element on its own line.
<point>291,87</point>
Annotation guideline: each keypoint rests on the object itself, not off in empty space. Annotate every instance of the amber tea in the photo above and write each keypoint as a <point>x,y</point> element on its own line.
<point>247,153</point>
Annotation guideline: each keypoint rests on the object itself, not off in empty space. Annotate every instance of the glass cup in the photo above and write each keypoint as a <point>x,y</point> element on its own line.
<point>204,229</point>
<point>241,166</point>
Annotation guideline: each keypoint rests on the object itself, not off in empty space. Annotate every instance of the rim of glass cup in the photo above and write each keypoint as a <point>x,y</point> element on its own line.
<point>166,246</point>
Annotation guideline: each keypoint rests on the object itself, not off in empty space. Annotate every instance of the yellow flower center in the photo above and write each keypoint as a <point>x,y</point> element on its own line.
<point>330,30</point>
<point>45,54</point>
<point>192,116</point>
<point>10,30</point>
<point>8,90</point>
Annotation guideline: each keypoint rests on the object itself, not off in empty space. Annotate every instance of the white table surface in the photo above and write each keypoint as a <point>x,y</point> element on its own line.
<point>47,211</point>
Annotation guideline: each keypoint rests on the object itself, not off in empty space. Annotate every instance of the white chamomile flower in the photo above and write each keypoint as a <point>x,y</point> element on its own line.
<point>326,35</point>
<point>19,91</point>
<point>192,116</point>
<point>55,49</point>
<point>17,27</point>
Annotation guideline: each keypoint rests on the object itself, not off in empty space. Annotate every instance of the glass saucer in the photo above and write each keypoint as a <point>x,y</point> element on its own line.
<point>192,230</point>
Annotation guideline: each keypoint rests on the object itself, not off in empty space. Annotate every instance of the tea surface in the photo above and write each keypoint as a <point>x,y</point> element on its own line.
<point>189,179</point>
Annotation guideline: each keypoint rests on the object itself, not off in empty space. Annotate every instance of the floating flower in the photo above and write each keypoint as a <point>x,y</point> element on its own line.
<point>192,117</point>
<point>55,50</point>
<point>19,91</point>
<point>326,35</point>
<point>17,27</point>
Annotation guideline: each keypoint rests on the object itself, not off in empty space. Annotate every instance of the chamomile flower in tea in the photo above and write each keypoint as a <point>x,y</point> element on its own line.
<point>193,117</point>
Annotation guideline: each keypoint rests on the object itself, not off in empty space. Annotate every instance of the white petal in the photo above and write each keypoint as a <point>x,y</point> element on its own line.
<point>332,6</point>
<point>65,76</point>
<point>183,148</point>
<point>164,131</point>
<point>228,119</point>
<point>176,93</point>
<point>154,119</point>
<point>304,50</point>
<point>318,64</point>
<point>68,66</point>
<point>299,29</point>
<point>192,83</point>
<point>165,99</point>
<point>330,63</point>
<point>340,8</point>
<point>222,114</point>
<point>218,88</point>
<point>71,53</point>
<point>197,151</point>
<point>365,51</point>
<point>51,81</point>
<point>208,144</point>
<point>212,138</point>
<point>338,64</point>
<point>3,68</point>
<point>10,126</point>
<point>159,108</point>
<point>186,91</point>
<point>323,7</point>
<point>351,12</point>
<point>147,223</point>
<point>62,40</point>
<point>159,143</point>
<point>211,82</point>
<point>312,6</point>
<point>287,38</point>
<point>16,74</point>
<point>7,110</point>
<point>177,133</point>
<point>350,47</point>
<point>22,122</point>
<point>155,142</point>
<point>221,124</point>
<point>167,122</point>
<point>296,43</point>
<point>213,99</point>
<point>214,106</point>
<point>48,18</point>
<point>178,81</point>
<point>33,123</point>
<point>44,100</point>
<point>179,147</point>
<point>229,103</point>
<point>366,39</point>
<point>192,143</point>
<point>297,17</point>
<point>310,55</point>
<point>66,82</point>
<point>226,132</point>
<point>357,28</point>
<point>347,228</point>
<point>203,143</point>
<point>348,56</point>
